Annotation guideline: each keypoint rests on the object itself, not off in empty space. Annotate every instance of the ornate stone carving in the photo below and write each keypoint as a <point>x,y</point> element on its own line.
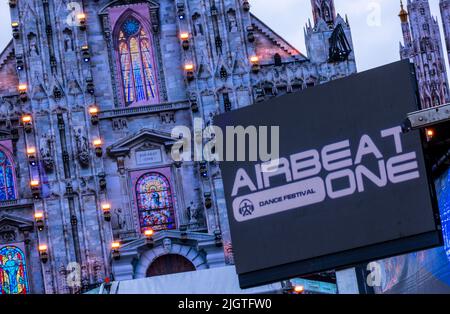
<point>45,147</point>
<point>8,234</point>
<point>97,270</point>
<point>82,147</point>
<point>5,109</point>
<point>167,245</point>
<point>232,23</point>
<point>194,214</point>
<point>34,50</point>
<point>167,117</point>
<point>154,17</point>
<point>68,40</point>
<point>121,165</point>
<point>119,124</point>
<point>120,219</point>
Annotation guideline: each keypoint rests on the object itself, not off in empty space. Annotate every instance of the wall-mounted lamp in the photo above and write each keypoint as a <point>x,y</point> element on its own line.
<point>180,11</point>
<point>43,253</point>
<point>93,112</point>
<point>98,143</point>
<point>189,69</point>
<point>82,21</point>
<point>254,60</point>
<point>208,200</point>
<point>250,34</point>
<point>149,233</point>
<point>35,186</point>
<point>106,208</point>
<point>15,30</point>
<point>203,169</point>
<point>102,180</point>
<point>22,89</point>
<point>85,53</point>
<point>430,134</point>
<point>20,65</point>
<point>115,247</point>
<point>27,122</point>
<point>31,154</point>
<point>39,218</point>
<point>90,88</point>
<point>218,238</point>
<point>184,40</point>
<point>194,103</point>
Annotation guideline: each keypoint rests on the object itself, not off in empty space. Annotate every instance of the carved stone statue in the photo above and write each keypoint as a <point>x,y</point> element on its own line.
<point>45,150</point>
<point>4,110</point>
<point>232,23</point>
<point>120,220</point>
<point>167,245</point>
<point>68,40</point>
<point>194,214</point>
<point>82,147</point>
<point>34,51</point>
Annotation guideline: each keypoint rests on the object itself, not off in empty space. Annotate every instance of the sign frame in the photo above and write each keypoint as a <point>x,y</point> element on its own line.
<point>344,258</point>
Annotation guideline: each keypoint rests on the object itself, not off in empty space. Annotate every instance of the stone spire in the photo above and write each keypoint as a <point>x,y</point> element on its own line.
<point>423,46</point>
<point>405,25</point>
<point>445,16</point>
<point>403,13</point>
<point>323,9</point>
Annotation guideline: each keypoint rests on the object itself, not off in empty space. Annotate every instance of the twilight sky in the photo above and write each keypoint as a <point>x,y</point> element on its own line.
<point>375,25</point>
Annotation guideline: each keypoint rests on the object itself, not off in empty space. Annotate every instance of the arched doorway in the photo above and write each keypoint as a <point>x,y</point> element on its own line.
<point>169,264</point>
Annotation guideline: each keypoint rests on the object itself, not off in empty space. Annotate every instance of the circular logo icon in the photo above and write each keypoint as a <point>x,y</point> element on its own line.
<point>246,208</point>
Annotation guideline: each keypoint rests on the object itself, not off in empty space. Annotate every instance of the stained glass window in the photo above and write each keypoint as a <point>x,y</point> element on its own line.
<point>154,200</point>
<point>13,271</point>
<point>136,63</point>
<point>7,190</point>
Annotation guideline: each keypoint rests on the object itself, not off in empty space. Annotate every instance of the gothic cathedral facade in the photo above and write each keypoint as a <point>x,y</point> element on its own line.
<point>422,44</point>
<point>90,92</point>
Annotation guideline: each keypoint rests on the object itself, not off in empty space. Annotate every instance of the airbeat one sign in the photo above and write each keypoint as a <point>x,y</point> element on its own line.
<point>348,186</point>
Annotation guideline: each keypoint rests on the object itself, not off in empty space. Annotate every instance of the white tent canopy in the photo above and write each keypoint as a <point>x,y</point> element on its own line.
<point>222,280</point>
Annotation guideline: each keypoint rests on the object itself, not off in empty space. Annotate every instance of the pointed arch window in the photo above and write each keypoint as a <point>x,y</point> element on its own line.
<point>154,201</point>
<point>7,181</point>
<point>326,12</point>
<point>13,271</point>
<point>436,99</point>
<point>137,68</point>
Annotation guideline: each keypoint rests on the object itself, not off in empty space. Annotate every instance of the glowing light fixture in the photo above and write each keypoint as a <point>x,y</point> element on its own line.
<point>299,289</point>
<point>106,208</point>
<point>43,253</point>
<point>39,218</point>
<point>98,147</point>
<point>93,112</point>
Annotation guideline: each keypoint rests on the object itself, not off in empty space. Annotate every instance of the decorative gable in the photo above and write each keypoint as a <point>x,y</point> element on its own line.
<point>141,140</point>
<point>269,43</point>
<point>18,222</point>
<point>12,226</point>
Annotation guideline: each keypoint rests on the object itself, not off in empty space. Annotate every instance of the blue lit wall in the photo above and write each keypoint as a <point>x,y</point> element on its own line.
<point>425,271</point>
<point>443,194</point>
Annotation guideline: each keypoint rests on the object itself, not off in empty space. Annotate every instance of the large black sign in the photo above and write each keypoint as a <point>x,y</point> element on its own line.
<point>348,186</point>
